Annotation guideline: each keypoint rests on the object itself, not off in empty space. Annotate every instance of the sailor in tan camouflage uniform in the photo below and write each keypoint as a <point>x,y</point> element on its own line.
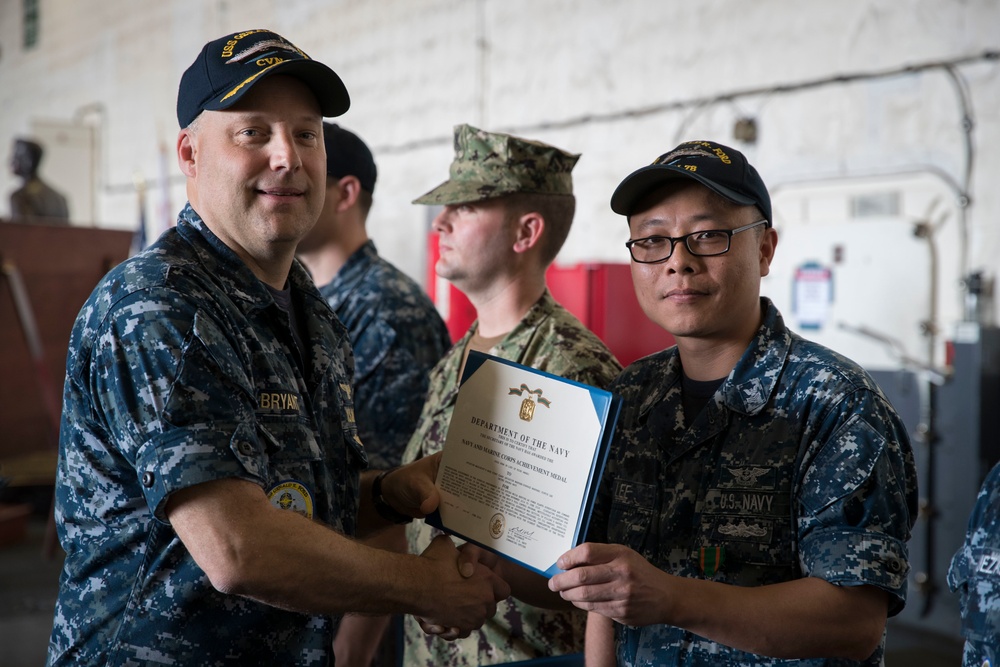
<point>508,207</point>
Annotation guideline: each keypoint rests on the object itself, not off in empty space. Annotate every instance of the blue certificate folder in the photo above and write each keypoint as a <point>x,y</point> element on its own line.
<point>522,461</point>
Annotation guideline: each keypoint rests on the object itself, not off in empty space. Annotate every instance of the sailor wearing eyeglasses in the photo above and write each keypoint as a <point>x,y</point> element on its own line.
<point>761,489</point>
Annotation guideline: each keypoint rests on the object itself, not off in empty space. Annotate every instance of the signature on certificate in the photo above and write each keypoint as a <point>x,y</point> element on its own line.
<point>520,536</point>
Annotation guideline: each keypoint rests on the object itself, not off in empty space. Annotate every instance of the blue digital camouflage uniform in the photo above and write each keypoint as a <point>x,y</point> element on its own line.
<point>397,336</point>
<point>797,466</point>
<point>975,576</point>
<point>182,370</point>
<point>551,339</point>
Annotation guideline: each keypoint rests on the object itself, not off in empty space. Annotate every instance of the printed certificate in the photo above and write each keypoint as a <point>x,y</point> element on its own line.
<point>522,460</point>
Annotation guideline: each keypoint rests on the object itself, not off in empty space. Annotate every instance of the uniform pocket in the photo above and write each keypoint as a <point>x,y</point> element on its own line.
<point>843,466</point>
<point>632,513</point>
<point>975,576</point>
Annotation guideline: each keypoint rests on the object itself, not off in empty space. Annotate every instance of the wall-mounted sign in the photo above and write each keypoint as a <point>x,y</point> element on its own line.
<point>812,294</point>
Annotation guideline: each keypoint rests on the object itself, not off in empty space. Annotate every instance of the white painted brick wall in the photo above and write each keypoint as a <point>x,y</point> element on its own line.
<point>415,68</point>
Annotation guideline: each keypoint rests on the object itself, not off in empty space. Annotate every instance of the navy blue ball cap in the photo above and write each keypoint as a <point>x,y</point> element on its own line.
<point>721,169</point>
<point>230,66</point>
<point>348,155</point>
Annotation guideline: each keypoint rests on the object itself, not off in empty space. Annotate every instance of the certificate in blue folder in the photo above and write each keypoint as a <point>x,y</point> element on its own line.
<point>522,460</point>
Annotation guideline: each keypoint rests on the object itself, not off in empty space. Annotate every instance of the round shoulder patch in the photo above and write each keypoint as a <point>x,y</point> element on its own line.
<point>292,495</point>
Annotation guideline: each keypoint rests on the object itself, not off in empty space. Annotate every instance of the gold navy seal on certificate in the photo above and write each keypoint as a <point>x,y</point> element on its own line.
<point>524,454</point>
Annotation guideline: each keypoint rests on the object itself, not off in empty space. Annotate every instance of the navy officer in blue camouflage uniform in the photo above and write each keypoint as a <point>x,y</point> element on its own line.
<point>396,333</point>
<point>209,468</point>
<point>761,489</point>
<point>395,329</point>
<point>975,576</point>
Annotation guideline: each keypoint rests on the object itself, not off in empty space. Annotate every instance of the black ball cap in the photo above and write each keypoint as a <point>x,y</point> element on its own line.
<point>348,155</point>
<point>230,66</point>
<point>719,168</point>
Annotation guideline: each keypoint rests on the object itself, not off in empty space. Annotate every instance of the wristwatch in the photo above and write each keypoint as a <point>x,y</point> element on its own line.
<point>384,509</point>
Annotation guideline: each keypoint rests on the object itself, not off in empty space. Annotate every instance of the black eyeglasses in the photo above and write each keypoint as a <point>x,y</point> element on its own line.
<point>654,249</point>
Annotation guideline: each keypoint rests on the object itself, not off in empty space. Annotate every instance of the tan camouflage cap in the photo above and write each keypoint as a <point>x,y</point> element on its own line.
<point>489,164</point>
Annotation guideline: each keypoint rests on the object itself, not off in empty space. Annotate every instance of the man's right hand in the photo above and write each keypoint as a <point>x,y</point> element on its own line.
<point>462,603</point>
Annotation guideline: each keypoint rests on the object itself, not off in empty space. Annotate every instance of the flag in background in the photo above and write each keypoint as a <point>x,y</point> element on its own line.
<point>165,215</point>
<point>139,237</point>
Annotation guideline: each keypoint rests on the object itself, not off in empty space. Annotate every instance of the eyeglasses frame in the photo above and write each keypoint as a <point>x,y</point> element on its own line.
<point>674,240</point>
